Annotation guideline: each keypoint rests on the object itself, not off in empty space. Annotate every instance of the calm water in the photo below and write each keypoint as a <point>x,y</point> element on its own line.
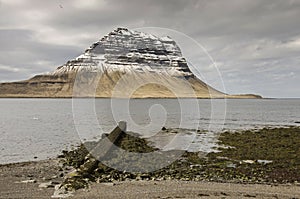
<point>44,127</point>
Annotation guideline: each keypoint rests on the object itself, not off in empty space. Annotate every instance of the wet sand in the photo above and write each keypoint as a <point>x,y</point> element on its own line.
<point>184,189</point>
<point>22,180</point>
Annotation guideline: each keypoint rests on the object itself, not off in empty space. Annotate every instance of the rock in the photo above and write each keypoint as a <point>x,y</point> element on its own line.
<point>145,176</point>
<point>123,126</point>
<point>46,179</point>
<point>108,183</point>
<point>264,161</point>
<point>60,192</point>
<point>47,185</point>
<point>73,173</point>
<point>248,161</point>
<point>249,196</point>
<point>231,165</point>
<point>28,181</point>
<point>222,158</point>
<point>138,177</point>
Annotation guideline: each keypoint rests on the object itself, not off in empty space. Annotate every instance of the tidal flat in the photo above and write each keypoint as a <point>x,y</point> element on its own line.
<point>264,159</point>
<point>265,156</point>
<point>269,155</point>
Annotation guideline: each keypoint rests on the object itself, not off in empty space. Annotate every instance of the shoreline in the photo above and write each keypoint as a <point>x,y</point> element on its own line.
<point>38,180</point>
<point>91,97</point>
<point>145,98</point>
<point>270,170</point>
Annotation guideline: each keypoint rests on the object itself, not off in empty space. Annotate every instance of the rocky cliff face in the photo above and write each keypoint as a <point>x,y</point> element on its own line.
<point>121,63</point>
<point>130,51</point>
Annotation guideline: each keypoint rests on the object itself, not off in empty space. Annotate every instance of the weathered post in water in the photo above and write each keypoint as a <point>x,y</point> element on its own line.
<point>103,148</point>
<point>100,151</point>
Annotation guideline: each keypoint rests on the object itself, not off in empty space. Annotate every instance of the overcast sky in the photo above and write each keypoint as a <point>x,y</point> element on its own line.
<point>256,44</point>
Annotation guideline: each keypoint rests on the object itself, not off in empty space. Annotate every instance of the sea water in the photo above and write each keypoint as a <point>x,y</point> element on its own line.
<point>35,129</point>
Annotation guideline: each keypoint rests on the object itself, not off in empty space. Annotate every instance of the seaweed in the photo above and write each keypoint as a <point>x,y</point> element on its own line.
<point>268,155</point>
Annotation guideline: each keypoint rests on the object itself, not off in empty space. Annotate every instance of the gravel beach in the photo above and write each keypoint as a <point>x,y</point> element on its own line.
<point>37,180</point>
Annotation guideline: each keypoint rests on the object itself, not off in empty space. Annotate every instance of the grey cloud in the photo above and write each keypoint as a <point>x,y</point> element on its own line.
<point>255,43</point>
<point>23,52</point>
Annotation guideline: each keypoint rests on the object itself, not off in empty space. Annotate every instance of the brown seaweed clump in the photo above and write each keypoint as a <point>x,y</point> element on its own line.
<point>269,155</point>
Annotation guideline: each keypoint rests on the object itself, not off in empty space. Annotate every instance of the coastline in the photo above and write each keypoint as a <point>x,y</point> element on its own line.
<point>24,180</point>
<point>250,96</point>
<point>239,171</point>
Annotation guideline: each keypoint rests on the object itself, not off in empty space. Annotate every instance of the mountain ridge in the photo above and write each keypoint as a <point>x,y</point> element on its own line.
<point>123,59</point>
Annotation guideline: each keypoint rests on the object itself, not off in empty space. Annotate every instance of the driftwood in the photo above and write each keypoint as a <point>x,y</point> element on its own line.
<point>103,148</point>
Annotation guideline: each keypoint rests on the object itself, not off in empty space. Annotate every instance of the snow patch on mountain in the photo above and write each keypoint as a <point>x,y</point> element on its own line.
<point>130,51</point>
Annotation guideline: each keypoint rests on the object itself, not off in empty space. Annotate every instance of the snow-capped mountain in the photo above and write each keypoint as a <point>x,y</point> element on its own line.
<point>124,63</point>
<point>126,50</point>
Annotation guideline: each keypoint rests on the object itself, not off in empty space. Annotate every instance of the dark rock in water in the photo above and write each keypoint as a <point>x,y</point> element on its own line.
<point>297,122</point>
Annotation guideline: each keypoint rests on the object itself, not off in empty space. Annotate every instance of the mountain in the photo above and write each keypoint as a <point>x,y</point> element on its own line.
<point>123,64</point>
